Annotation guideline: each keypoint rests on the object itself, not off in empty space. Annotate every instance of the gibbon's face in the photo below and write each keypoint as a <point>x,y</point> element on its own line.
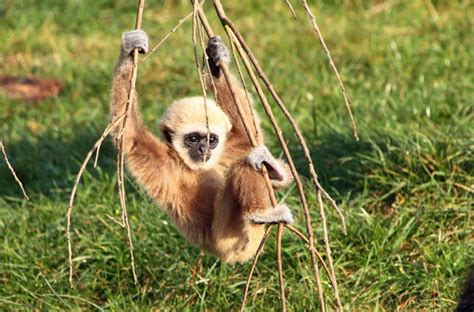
<point>195,149</point>
<point>185,126</point>
<point>199,146</point>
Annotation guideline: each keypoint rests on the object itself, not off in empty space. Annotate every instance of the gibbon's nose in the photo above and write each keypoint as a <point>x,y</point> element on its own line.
<point>202,148</point>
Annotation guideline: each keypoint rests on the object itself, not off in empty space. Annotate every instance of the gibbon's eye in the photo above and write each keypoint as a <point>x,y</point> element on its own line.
<point>213,140</point>
<point>192,139</point>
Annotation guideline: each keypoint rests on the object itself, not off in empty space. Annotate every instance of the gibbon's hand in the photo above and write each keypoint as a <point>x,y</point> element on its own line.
<point>135,39</point>
<point>259,156</point>
<point>217,50</point>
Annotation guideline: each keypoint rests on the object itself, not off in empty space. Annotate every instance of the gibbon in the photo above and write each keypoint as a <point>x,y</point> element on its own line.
<point>211,187</point>
<point>466,301</point>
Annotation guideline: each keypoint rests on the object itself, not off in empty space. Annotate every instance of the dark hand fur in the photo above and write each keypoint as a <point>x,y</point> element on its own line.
<point>213,207</point>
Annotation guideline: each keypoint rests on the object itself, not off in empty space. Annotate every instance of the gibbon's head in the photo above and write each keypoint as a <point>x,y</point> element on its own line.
<point>183,126</point>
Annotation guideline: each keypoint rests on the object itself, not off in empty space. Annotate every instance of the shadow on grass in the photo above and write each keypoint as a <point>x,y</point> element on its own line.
<point>337,160</point>
<point>48,164</point>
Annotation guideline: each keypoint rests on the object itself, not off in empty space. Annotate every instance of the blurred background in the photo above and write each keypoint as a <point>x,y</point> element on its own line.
<point>406,187</point>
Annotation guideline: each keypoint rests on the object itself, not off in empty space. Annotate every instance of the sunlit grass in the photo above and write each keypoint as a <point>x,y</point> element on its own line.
<point>406,187</point>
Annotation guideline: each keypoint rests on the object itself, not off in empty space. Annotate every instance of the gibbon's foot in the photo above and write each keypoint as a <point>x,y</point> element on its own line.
<point>280,214</point>
<point>260,155</point>
<point>217,52</point>
<point>135,39</point>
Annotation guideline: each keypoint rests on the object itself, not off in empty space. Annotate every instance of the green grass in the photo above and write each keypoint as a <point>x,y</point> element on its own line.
<point>406,187</point>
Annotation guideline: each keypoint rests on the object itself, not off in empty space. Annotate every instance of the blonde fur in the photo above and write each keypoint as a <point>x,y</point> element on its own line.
<point>211,205</point>
<point>189,115</point>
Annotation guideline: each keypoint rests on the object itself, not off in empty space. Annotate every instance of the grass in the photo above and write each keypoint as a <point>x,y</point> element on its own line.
<point>406,187</point>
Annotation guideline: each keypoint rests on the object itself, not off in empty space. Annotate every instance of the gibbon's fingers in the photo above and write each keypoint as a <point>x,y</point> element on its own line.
<point>135,39</point>
<point>259,156</point>
<point>217,52</point>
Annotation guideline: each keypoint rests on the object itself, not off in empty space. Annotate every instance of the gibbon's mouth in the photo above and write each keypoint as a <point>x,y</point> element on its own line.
<point>205,158</point>
<point>202,158</point>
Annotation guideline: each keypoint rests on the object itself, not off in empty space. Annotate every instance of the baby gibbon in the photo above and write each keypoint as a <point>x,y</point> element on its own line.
<point>211,186</point>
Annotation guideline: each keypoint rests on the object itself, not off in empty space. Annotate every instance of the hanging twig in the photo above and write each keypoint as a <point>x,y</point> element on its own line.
<point>280,268</point>
<point>226,22</point>
<point>288,3</point>
<point>242,80</point>
<point>74,189</point>
<point>279,134</point>
<point>156,47</point>
<point>10,167</point>
<point>281,105</point>
<point>306,240</point>
<point>121,142</point>
<point>198,67</point>
<point>253,142</point>
<point>347,100</point>
<point>332,275</point>
<point>254,265</point>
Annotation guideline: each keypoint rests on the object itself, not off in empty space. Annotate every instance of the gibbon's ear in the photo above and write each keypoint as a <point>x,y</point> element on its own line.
<point>168,135</point>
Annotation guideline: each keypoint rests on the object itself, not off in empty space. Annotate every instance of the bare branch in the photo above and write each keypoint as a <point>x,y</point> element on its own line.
<point>286,151</point>
<point>347,100</point>
<point>196,27</point>
<point>280,268</point>
<point>288,3</point>
<point>250,134</point>
<point>254,264</point>
<point>332,275</point>
<point>105,133</point>
<point>156,47</point>
<point>10,167</point>
<point>121,143</point>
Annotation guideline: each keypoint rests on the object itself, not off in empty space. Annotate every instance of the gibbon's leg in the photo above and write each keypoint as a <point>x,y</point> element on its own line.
<point>146,156</point>
<point>217,52</point>
<point>279,175</point>
<point>243,207</point>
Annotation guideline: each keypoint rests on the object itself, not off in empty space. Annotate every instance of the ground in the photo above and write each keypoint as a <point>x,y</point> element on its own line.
<point>406,188</point>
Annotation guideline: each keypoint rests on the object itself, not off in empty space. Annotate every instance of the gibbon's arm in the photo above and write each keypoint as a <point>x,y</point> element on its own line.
<point>147,158</point>
<point>217,51</point>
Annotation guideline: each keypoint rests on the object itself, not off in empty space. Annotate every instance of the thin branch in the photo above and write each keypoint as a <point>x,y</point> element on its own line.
<point>306,240</point>
<point>288,3</point>
<point>121,143</point>
<point>288,156</point>
<point>250,134</point>
<point>254,264</point>
<point>196,25</point>
<point>253,141</point>
<point>347,100</point>
<point>10,167</point>
<point>156,47</point>
<point>228,23</point>
<point>281,281</point>
<point>282,107</point>
<point>332,276</point>
<point>242,80</point>
<point>105,133</point>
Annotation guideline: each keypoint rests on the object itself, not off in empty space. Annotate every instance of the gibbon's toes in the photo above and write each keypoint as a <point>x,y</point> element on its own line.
<point>217,50</point>
<point>259,156</point>
<point>135,39</point>
<point>280,214</point>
